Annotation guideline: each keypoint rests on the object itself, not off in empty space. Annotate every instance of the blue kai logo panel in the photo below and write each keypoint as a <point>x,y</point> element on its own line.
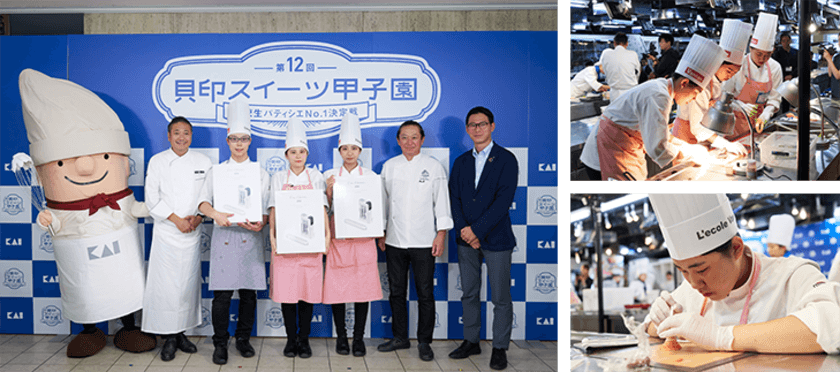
<point>542,321</point>
<point>519,207</point>
<point>322,323</point>
<point>16,242</point>
<point>542,244</point>
<point>16,315</point>
<point>45,277</point>
<point>380,320</point>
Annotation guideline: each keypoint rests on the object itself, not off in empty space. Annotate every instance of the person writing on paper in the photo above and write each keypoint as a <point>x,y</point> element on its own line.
<point>418,217</point>
<point>352,274</point>
<point>733,298</point>
<point>754,86</point>
<point>237,261</point>
<point>171,303</point>
<point>637,123</point>
<point>296,278</point>
<point>780,234</point>
<point>734,37</point>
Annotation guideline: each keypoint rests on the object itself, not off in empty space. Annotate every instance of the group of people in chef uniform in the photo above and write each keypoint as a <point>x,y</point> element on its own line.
<point>637,121</point>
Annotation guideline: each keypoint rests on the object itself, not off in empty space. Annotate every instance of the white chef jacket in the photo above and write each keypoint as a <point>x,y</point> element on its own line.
<point>622,68</point>
<point>584,82</point>
<point>694,111</point>
<point>639,291</point>
<point>759,74</point>
<point>589,154</point>
<point>206,193</point>
<point>785,286</point>
<point>280,178</point>
<point>646,108</point>
<point>834,273</point>
<point>173,183</point>
<point>417,195</point>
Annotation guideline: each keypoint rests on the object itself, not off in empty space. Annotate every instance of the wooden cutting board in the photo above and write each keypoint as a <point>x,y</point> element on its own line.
<point>691,357</point>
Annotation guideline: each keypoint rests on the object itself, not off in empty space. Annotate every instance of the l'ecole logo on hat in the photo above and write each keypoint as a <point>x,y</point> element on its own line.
<point>728,53</point>
<point>693,73</point>
<point>754,41</point>
<point>722,225</point>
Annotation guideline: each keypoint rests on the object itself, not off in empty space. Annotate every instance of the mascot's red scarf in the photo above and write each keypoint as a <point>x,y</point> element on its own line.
<point>92,203</point>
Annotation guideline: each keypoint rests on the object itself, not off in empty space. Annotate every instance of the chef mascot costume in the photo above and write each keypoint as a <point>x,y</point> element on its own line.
<point>80,150</point>
<point>733,298</point>
<point>780,234</point>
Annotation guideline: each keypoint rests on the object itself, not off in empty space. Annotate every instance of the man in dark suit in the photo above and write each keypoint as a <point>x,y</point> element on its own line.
<point>481,189</point>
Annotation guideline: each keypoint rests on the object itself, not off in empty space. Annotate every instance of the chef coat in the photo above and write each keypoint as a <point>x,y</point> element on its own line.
<point>621,67</point>
<point>639,289</point>
<point>237,260</point>
<point>785,286</point>
<point>834,273</point>
<point>417,195</point>
<point>759,75</point>
<point>584,82</point>
<point>646,109</point>
<point>173,284</point>
<point>589,154</point>
<point>694,111</point>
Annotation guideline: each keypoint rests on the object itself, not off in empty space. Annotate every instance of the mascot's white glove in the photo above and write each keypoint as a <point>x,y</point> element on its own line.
<point>702,330</point>
<point>765,116</point>
<point>733,147</point>
<point>662,307</point>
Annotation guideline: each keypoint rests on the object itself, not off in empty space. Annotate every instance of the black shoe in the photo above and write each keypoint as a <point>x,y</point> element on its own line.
<point>184,344</point>
<point>498,360</point>
<point>167,353</point>
<point>342,346</point>
<point>245,348</point>
<point>220,355</point>
<point>291,349</point>
<point>426,353</point>
<point>304,351</point>
<point>359,347</point>
<point>465,350</point>
<point>394,344</point>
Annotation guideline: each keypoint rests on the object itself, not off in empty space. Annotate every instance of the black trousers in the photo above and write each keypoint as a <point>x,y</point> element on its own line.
<point>300,312</point>
<point>360,319</point>
<point>221,314</point>
<point>398,262</point>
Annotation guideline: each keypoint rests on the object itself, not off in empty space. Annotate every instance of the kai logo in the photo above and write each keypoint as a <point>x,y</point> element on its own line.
<point>547,167</point>
<point>50,279</point>
<point>13,278</point>
<point>512,206</point>
<point>132,165</point>
<point>317,318</point>
<point>13,204</point>
<point>14,315</point>
<point>546,244</point>
<point>386,288</point>
<point>274,318</point>
<point>275,164</point>
<point>546,283</point>
<point>205,242</point>
<point>51,316</point>
<point>234,318</point>
<point>46,243</point>
<point>319,166</point>
<point>546,206</point>
<point>206,280</point>
<point>205,317</point>
<point>99,252</point>
<point>385,319</point>
<point>14,242</point>
<point>545,321</point>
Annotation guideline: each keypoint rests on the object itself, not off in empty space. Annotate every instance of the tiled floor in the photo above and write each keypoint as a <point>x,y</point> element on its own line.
<point>47,353</point>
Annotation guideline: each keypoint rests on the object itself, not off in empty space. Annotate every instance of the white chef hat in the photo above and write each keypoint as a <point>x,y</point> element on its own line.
<point>65,120</point>
<point>694,224</point>
<point>351,131</point>
<point>296,134</point>
<point>764,35</point>
<point>701,60</point>
<point>734,38</point>
<point>239,118</point>
<point>781,229</point>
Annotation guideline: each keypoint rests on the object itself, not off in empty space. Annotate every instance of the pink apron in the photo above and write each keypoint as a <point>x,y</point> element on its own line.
<point>352,273</point>
<point>621,152</point>
<point>297,276</point>
<point>752,92</point>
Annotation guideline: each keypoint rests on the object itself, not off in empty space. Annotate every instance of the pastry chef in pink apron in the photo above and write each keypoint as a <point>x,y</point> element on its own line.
<point>733,298</point>
<point>296,279</point>
<point>352,274</point>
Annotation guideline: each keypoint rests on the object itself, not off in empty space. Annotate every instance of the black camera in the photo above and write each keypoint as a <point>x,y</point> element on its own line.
<point>829,47</point>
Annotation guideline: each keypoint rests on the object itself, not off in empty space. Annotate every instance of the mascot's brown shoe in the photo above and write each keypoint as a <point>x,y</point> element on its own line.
<point>85,345</point>
<point>134,340</point>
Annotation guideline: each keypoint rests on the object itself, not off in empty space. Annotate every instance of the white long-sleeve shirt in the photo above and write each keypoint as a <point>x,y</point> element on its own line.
<point>758,74</point>
<point>417,195</point>
<point>694,111</point>
<point>785,286</point>
<point>206,194</point>
<point>622,68</point>
<point>584,82</point>
<point>173,183</point>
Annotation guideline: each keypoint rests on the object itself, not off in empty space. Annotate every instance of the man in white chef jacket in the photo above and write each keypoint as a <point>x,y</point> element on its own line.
<point>586,81</point>
<point>780,234</point>
<point>418,216</point>
<point>621,67</point>
<point>171,302</point>
<point>733,298</point>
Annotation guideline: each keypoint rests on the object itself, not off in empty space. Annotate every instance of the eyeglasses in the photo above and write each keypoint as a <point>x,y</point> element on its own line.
<point>239,139</point>
<point>477,125</point>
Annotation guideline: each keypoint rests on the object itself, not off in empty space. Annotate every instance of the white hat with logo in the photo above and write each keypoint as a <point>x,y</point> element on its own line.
<point>701,60</point>
<point>351,131</point>
<point>65,120</point>
<point>781,229</point>
<point>734,38</point>
<point>239,118</point>
<point>296,134</point>
<point>693,224</point>
<point>764,35</point>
